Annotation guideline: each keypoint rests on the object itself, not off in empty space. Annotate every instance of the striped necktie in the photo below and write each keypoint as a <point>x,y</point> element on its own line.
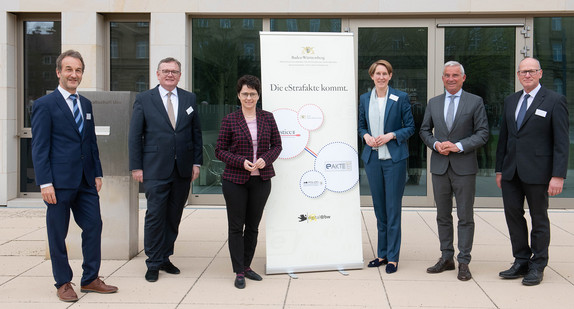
<point>76,111</point>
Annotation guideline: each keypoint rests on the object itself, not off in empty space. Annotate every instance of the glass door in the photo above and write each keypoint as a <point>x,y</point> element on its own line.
<point>407,45</point>
<point>490,51</point>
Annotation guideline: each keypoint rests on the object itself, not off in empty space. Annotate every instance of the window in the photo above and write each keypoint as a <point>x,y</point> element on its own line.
<point>554,48</point>
<point>142,49</point>
<point>557,52</point>
<point>559,85</point>
<point>292,25</point>
<point>225,23</point>
<point>407,50</point>
<point>306,24</point>
<point>129,56</point>
<point>249,50</point>
<point>41,47</point>
<point>222,51</point>
<point>141,84</point>
<point>42,43</point>
<point>114,49</point>
<point>556,23</point>
<point>314,25</point>
<point>248,23</point>
<point>47,59</point>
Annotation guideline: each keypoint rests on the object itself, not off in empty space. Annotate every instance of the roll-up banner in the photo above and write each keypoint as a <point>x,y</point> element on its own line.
<point>313,217</point>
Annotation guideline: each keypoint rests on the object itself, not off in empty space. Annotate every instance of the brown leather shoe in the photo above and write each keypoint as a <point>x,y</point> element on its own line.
<point>99,286</point>
<point>66,293</point>
<point>463,272</point>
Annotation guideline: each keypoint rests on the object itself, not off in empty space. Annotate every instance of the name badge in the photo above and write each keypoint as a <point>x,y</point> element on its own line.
<point>393,97</point>
<point>540,113</point>
<point>189,110</point>
<point>88,116</point>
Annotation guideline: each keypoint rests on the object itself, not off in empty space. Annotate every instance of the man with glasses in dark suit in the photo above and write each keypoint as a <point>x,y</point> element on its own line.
<point>531,164</point>
<point>166,151</point>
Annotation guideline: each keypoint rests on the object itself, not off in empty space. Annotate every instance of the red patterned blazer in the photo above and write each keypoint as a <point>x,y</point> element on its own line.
<point>234,145</point>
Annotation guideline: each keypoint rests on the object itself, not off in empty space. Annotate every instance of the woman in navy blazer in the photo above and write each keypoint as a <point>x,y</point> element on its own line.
<point>385,124</point>
<point>248,144</point>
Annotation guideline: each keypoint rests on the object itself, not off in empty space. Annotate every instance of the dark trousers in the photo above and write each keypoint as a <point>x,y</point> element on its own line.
<point>387,180</point>
<point>245,204</point>
<point>84,202</point>
<point>166,199</point>
<point>514,192</point>
<point>463,187</point>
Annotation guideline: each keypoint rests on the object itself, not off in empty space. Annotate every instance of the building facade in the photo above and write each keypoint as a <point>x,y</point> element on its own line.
<point>218,40</point>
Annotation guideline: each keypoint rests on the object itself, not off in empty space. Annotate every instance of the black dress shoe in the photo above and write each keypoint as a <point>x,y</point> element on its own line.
<point>376,262</point>
<point>533,277</point>
<point>169,268</point>
<point>515,271</point>
<point>391,268</point>
<point>151,275</point>
<point>441,266</point>
<point>240,282</point>
<point>463,272</point>
<point>250,274</point>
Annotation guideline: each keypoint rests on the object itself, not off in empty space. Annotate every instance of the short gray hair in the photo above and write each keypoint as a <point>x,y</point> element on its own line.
<point>168,60</point>
<point>453,63</point>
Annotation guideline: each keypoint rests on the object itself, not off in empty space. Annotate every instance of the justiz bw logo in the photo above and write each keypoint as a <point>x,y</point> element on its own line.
<point>312,218</point>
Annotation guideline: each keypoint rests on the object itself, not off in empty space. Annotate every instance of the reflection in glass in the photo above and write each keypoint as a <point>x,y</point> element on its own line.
<point>487,54</point>
<point>42,43</point>
<point>27,176</point>
<point>554,47</point>
<point>223,50</point>
<point>406,49</point>
<point>306,24</point>
<point>129,56</point>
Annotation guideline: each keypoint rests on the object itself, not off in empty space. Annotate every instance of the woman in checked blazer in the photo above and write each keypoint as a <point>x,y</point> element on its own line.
<point>248,144</point>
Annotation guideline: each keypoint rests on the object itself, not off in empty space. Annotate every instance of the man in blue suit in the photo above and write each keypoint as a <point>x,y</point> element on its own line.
<point>166,150</point>
<point>454,126</point>
<point>68,170</point>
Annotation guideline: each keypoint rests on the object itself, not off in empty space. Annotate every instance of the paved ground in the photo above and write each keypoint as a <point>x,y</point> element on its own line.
<point>206,280</point>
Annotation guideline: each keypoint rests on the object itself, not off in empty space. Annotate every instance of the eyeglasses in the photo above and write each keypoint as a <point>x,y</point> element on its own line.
<point>526,72</point>
<point>245,95</point>
<point>167,72</point>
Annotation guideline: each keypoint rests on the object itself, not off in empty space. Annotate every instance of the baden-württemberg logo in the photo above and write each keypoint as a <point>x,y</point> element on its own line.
<point>308,50</point>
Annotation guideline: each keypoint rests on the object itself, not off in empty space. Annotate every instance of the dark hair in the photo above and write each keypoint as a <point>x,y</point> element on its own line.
<point>249,81</point>
<point>69,53</point>
<point>168,60</point>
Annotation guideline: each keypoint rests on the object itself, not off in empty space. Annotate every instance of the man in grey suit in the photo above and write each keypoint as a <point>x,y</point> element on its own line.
<point>531,163</point>
<point>460,127</point>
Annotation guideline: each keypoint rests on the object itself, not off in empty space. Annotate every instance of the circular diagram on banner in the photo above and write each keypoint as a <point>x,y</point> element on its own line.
<point>310,117</point>
<point>339,163</point>
<point>312,183</point>
<point>294,138</point>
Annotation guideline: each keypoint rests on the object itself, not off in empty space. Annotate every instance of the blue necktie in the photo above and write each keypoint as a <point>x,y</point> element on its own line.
<point>522,111</point>
<point>76,111</point>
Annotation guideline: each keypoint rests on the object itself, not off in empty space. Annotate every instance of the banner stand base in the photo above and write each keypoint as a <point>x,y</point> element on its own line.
<point>343,272</point>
